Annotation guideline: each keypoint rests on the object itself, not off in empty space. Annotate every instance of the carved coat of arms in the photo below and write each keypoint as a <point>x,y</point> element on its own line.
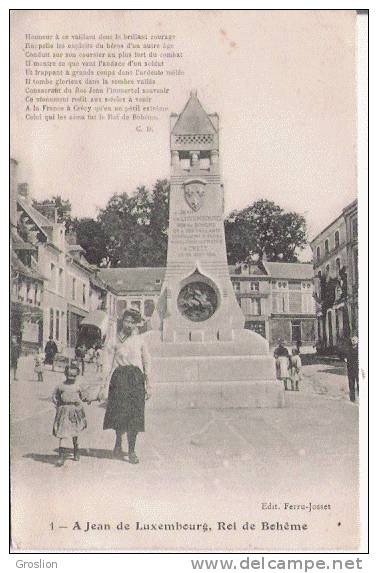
<point>194,193</point>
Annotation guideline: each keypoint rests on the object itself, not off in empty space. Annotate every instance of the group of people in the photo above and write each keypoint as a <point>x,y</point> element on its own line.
<point>128,390</point>
<point>288,367</point>
<point>93,354</point>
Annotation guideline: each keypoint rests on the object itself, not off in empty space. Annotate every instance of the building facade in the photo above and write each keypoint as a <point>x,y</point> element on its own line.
<point>276,298</point>
<point>335,263</point>
<point>53,287</point>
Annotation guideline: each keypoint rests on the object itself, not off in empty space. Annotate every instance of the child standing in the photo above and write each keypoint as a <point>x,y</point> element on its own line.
<point>39,361</point>
<point>70,417</point>
<point>295,369</point>
<point>99,360</point>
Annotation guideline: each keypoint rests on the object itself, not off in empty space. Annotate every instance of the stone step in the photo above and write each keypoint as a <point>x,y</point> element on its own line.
<point>212,368</point>
<point>209,394</point>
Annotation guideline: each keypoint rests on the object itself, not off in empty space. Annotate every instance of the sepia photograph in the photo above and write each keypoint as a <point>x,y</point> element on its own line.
<point>185,373</point>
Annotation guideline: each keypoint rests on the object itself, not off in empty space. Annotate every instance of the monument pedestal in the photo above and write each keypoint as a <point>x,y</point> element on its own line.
<point>214,375</point>
<point>201,354</point>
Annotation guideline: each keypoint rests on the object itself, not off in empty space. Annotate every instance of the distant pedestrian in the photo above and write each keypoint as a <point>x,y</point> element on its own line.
<point>80,352</point>
<point>70,419</point>
<point>295,369</point>
<point>39,361</point>
<point>299,345</point>
<point>51,350</point>
<point>99,356</point>
<point>351,358</point>
<point>14,356</point>
<point>282,357</point>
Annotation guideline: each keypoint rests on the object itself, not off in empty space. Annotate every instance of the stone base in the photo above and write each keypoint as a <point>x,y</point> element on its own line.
<point>234,374</point>
<point>235,394</point>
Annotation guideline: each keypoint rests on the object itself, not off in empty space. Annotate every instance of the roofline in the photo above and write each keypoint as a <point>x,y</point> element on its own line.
<point>350,206</point>
<point>334,221</point>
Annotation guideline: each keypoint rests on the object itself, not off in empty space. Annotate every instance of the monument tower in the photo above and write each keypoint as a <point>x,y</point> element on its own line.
<point>202,355</point>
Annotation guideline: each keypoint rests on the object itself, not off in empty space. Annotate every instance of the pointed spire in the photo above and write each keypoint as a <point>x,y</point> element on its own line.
<point>193,119</point>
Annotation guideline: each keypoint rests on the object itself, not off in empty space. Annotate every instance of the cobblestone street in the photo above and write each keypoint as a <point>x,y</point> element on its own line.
<point>196,465</point>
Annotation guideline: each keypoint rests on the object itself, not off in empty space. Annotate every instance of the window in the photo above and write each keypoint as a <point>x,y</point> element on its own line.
<point>57,325</point>
<point>280,296</point>
<point>245,305</point>
<point>28,295</point>
<point>236,286</point>
<point>326,246</point>
<point>337,239</point>
<point>84,294</point>
<point>338,265</point>
<point>35,294</point>
<point>318,253</point>
<point>255,306</point>
<point>296,333</point>
<point>254,286</point>
<point>135,304</point>
<point>355,265</point>
<point>307,299</point>
<point>354,228</point>
<point>327,270</point>
<point>51,325</point>
<point>73,293</point>
<point>61,282</point>
<point>53,278</point>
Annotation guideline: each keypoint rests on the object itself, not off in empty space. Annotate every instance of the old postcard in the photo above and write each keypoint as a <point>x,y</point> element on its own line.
<point>185,332</point>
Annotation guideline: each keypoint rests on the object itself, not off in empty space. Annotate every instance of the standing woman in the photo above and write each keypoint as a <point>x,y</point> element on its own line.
<point>129,386</point>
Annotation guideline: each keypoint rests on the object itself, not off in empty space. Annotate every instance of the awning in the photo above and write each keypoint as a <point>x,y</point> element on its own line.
<point>97,318</point>
<point>76,310</point>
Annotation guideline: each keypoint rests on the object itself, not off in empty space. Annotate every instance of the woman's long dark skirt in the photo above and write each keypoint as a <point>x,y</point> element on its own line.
<point>126,400</point>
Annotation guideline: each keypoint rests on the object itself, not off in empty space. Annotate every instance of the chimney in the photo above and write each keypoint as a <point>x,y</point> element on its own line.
<point>23,191</point>
<point>48,210</point>
<point>71,238</point>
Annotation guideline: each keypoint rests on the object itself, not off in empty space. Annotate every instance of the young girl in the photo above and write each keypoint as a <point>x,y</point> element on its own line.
<point>295,369</point>
<point>70,417</point>
<point>39,361</point>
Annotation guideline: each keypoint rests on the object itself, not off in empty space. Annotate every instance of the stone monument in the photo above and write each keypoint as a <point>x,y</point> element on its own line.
<point>201,354</point>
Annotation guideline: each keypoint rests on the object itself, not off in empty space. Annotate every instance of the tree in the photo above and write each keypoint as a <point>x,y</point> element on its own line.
<point>135,227</point>
<point>90,235</point>
<point>264,228</point>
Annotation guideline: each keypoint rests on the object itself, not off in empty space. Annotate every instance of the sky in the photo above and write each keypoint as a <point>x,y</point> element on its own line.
<point>282,82</point>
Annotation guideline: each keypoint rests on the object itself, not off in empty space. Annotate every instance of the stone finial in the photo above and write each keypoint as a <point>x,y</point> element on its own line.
<point>193,92</point>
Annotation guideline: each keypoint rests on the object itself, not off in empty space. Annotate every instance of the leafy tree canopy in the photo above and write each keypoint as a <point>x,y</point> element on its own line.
<point>265,228</point>
<point>132,230</point>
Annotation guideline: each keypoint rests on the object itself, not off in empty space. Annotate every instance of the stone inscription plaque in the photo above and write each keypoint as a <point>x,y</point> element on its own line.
<point>194,235</point>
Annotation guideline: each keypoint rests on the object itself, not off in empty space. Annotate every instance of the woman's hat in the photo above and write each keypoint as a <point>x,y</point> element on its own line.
<point>132,314</point>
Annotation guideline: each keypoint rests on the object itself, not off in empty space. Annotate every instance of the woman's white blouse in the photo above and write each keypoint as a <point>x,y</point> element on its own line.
<point>133,351</point>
